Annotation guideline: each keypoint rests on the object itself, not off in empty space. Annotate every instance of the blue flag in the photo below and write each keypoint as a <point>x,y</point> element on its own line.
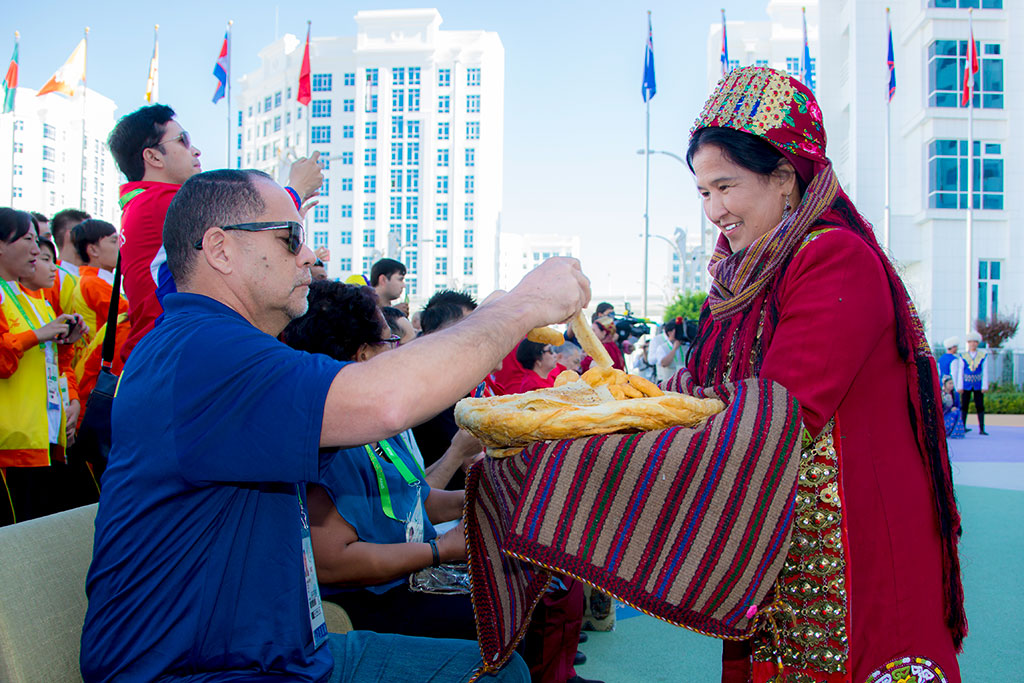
<point>892,68</point>
<point>805,72</point>
<point>220,70</point>
<point>649,87</point>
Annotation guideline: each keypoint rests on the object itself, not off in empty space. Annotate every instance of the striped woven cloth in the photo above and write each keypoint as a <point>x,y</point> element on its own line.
<point>689,525</point>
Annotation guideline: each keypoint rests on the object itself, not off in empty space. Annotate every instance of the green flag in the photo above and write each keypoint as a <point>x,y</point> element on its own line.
<point>11,81</point>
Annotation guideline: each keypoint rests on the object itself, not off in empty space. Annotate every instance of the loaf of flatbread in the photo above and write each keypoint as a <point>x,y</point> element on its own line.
<point>573,410</point>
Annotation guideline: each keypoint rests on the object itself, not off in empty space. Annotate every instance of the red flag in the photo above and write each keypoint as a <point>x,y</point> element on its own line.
<point>970,68</point>
<point>305,90</point>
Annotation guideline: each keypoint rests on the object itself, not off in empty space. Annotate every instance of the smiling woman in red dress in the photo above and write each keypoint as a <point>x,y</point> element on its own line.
<point>802,294</point>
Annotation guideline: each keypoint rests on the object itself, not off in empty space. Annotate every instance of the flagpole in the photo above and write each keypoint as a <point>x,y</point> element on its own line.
<point>647,199</point>
<point>309,110</point>
<point>85,145</point>
<point>888,133</point>
<point>969,246</point>
<point>227,159</point>
<point>14,119</point>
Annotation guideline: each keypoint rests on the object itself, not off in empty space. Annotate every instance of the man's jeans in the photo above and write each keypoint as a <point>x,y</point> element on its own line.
<point>368,657</point>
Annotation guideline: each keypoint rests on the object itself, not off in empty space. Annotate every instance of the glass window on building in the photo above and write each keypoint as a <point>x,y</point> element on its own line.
<point>239,118</point>
<point>412,153</point>
<point>321,134</point>
<point>367,264</point>
<point>442,215</point>
<point>443,130</point>
<point>966,4</point>
<point>472,130</point>
<point>48,153</point>
<point>467,238</point>
<point>346,184</point>
<point>322,82</point>
<point>396,153</point>
<point>397,100</point>
<point>473,104</point>
<point>267,101</point>
<point>277,124</point>
<point>792,66</point>
<point>397,127</point>
<point>348,132</point>
<point>470,156</point>
<point>442,184</point>
<point>412,180</point>
<point>369,211</point>
<point>350,78</point>
<point>396,208</point>
<point>411,260</point>
<point>325,188</point>
<point>441,265</point>
<point>371,77</point>
<point>370,184</point>
<point>371,102</point>
<point>348,105</point>
<point>277,99</point>
<point>49,176</point>
<point>370,156</point>
<point>320,213</point>
<point>412,129</point>
<point>319,239</point>
<point>321,109</point>
<point>414,99</point>
<point>412,233</point>
<point>473,76</point>
<point>469,211</point>
<point>470,184</point>
<point>414,75</point>
<point>346,235</point>
<point>989,275</point>
<point>347,158</point>
<point>467,265</point>
<point>345,264</point>
<point>947,175</point>
<point>412,208</point>
<point>442,158</point>
<point>371,130</point>
<point>946,62</point>
<point>734,64</point>
<point>410,286</point>
<point>396,180</point>
<point>444,104</point>
<point>444,77</point>
<point>398,75</point>
<point>369,238</point>
<point>49,132</point>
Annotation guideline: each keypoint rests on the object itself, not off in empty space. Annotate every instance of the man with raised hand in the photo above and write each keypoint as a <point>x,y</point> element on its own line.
<point>156,155</point>
<point>202,564</point>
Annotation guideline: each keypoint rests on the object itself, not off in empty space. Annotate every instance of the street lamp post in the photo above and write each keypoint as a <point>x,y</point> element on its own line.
<point>646,153</point>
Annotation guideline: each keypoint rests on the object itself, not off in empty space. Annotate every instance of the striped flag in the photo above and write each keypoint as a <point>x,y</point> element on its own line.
<point>305,93</point>
<point>806,74</point>
<point>649,87</point>
<point>69,75</point>
<point>725,48</point>
<point>892,63</point>
<point>152,83</point>
<point>222,70</point>
<point>11,80</point>
<point>970,68</point>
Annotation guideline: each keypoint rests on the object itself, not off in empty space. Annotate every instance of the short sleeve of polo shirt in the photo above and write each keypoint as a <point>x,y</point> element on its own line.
<point>250,409</point>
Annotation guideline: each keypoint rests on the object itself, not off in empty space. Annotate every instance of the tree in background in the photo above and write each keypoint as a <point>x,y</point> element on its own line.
<point>995,332</point>
<point>687,306</point>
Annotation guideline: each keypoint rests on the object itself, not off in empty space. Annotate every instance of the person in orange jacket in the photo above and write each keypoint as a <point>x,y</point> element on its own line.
<point>96,242</point>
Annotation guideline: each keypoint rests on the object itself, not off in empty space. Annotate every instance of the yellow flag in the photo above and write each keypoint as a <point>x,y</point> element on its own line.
<point>152,83</point>
<point>68,76</point>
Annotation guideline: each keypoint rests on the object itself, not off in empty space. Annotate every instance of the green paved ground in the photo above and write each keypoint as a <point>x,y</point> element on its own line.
<point>643,649</point>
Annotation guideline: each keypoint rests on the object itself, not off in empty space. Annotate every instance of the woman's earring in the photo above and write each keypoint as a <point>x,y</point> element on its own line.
<point>787,209</point>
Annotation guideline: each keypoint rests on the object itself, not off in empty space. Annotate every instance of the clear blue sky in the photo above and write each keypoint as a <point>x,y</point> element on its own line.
<point>574,116</point>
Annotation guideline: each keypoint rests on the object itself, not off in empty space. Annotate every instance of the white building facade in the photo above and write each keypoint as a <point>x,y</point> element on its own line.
<point>45,168</point>
<point>929,146</point>
<point>928,131</point>
<point>410,121</point>
<point>519,254</point>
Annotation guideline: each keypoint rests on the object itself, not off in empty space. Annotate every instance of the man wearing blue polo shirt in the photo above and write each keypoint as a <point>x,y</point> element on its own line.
<point>202,568</point>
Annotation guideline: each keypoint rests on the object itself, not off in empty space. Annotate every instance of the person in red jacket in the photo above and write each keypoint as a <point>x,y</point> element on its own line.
<point>157,156</point>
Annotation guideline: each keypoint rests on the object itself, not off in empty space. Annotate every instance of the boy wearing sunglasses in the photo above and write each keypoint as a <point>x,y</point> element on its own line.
<point>157,156</point>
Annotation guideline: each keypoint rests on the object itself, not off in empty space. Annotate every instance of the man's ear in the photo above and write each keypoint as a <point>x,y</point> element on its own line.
<point>217,250</point>
<point>364,353</point>
<point>150,157</point>
<point>93,251</point>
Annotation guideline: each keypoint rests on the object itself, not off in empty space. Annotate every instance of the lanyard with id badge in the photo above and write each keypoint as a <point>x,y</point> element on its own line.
<point>54,402</point>
<point>317,624</point>
<point>414,519</point>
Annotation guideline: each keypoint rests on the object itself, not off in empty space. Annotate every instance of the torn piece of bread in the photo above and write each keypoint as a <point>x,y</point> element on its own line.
<point>589,342</point>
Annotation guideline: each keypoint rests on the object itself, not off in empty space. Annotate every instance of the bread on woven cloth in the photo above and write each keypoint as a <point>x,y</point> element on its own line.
<point>574,410</point>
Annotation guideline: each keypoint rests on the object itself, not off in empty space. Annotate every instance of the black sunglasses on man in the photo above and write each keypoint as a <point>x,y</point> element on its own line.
<point>296,235</point>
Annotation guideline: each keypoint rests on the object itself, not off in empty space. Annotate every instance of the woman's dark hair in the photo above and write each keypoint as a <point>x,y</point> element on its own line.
<point>339,320</point>
<point>743,149</point>
<point>49,247</point>
<point>14,224</point>
<point>88,232</point>
<point>392,315</point>
<point>528,353</point>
